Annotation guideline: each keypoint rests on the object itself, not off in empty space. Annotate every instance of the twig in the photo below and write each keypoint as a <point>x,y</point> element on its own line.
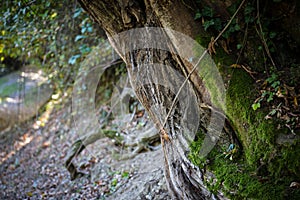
<point>243,44</point>
<point>261,35</point>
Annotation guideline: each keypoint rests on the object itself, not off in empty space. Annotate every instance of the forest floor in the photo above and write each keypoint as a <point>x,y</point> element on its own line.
<point>32,158</point>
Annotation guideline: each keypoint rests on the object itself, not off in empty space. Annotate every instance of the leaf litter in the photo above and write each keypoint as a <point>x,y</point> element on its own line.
<point>32,165</point>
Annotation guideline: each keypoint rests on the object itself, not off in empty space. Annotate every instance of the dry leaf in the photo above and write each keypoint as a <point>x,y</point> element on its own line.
<point>211,46</point>
<point>295,102</point>
<point>224,46</point>
<point>29,194</point>
<point>46,144</point>
<point>235,66</point>
<point>295,185</point>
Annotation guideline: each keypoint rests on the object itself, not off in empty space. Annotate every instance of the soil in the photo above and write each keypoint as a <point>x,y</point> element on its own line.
<point>32,164</point>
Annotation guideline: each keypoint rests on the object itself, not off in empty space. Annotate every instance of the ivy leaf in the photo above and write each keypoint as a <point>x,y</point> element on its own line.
<point>237,27</point>
<point>77,12</point>
<point>273,35</point>
<point>79,37</point>
<point>208,23</point>
<point>270,98</point>
<point>83,29</point>
<point>198,15</point>
<point>207,11</point>
<point>73,59</point>
<point>84,49</point>
<point>90,29</point>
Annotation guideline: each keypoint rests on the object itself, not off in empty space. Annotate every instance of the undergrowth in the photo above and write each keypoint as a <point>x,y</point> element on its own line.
<point>237,178</point>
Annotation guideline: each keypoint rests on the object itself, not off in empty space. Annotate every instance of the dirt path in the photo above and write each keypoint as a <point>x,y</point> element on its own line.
<point>22,94</point>
<point>32,166</point>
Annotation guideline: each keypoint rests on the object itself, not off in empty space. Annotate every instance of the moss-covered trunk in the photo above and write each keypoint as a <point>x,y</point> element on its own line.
<point>255,156</point>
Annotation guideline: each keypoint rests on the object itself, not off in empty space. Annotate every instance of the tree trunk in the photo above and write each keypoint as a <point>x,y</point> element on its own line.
<point>183,178</point>
<point>163,91</point>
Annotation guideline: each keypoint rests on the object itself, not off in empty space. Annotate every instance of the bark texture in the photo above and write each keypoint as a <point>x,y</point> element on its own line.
<point>185,181</point>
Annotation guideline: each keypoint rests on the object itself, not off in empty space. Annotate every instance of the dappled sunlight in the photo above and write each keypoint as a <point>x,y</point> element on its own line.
<point>44,118</point>
<point>11,100</point>
<point>18,144</point>
<point>22,94</point>
<point>150,99</point>
<point>28,137</point>
<point>38,75</point>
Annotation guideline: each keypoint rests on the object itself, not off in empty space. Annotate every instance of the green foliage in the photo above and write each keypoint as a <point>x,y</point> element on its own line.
<point>255,106</point>
<point>273,84</point>
<point>267,168</point>
<point>117,179</point>
<point>234,27</point>
<point>209,20</point>
<point>53,35</point>
<point>249,13</point>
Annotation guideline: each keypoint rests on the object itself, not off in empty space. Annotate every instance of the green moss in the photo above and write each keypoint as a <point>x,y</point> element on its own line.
<point>236,179</point>
<point>257,134</point>
<point>266,169</point>
<point>203,40</point>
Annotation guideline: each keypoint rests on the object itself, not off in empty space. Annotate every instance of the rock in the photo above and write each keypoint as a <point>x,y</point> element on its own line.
<point>148,182</point>
<point>22,93</point>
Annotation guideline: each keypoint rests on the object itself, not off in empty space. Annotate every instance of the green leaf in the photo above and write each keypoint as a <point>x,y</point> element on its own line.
<point>255,106</point>
<point>79,37</point>
<point>237,27</point>
<point>275,84</point>
<point>272,78</point>
<point>114,182</point>
<point>83,29</point>
<point>73,59</point>
<point>273,35</point>
<point>84,49</point>
<point>207,11</point>
<point>218,24</point>
<point>273,112</point>
<point>270,98</point>
<point>78,11</point>
<point>125,174</point>
<point>208,23</point>
<point>198,15</point>
<point>90,29</point>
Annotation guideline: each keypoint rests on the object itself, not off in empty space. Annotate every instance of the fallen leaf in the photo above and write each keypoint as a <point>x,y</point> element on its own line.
<point>29,194</point>
<point>279,93</point>
<point>211,46</point>
<point>12,167</point>
<point>224,46</point>
<point>295,185</point>
<point>295,102</point>
<point>46,144</point>
<point>235,66</point>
